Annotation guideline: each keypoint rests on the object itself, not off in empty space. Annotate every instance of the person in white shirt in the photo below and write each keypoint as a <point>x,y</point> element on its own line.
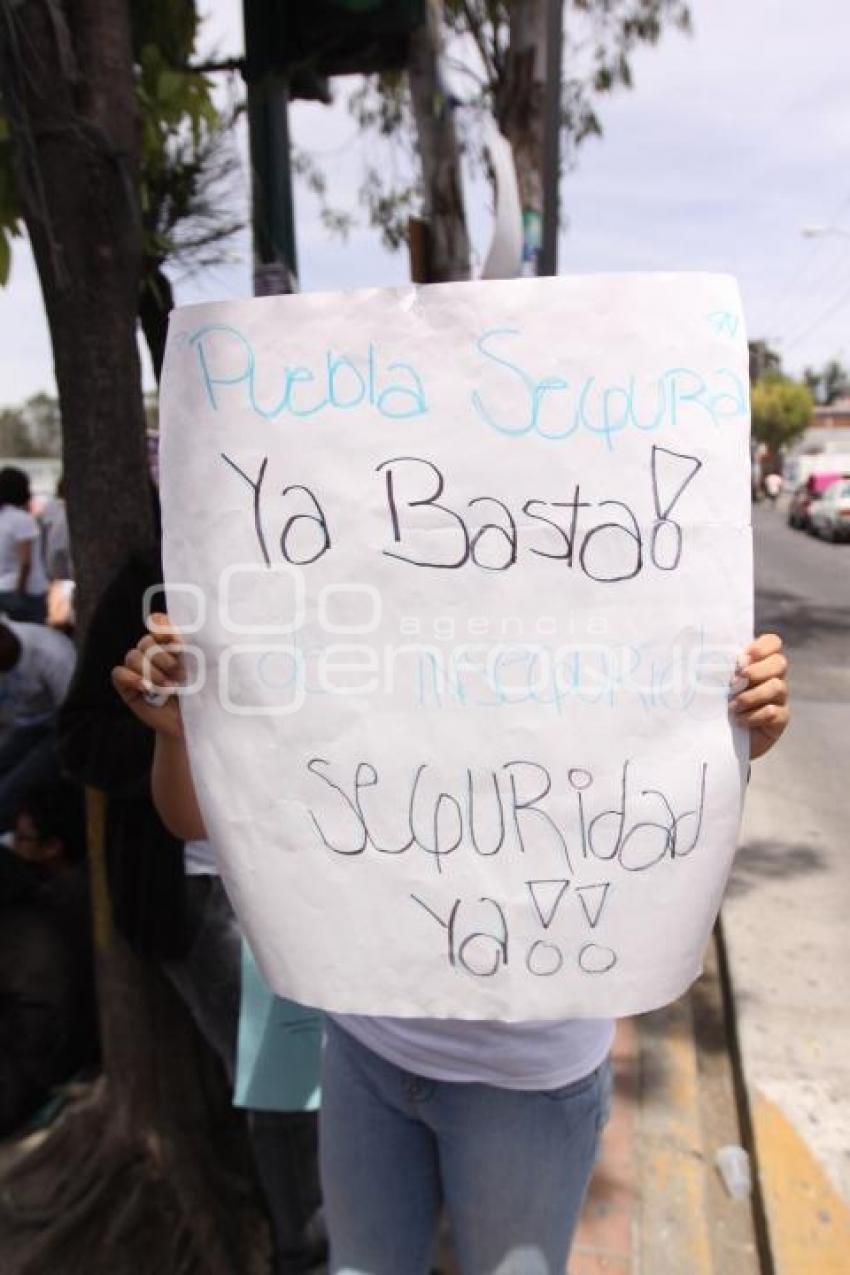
<point>773,487</point>
<point>56,552</point>
<point>23,580</point>
<point>36,664</point>
<point>56,543</point>
<point>499,1123</point>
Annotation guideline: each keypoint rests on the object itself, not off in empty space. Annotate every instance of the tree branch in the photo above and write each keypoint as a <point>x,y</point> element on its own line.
<point>476,30</point>
<point>222,64</point>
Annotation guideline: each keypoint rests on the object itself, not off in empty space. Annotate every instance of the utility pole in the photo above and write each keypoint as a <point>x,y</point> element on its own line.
<point>291,47</point>
<point>440,244</point>
<point>548,260</point>
<point>529,116</point>
<point>272,209</point>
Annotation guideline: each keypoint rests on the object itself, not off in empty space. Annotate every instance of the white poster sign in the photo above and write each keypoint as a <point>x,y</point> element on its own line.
<point>463,571</point>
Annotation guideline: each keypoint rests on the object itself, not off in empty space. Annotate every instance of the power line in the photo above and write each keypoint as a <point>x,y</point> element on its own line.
<point>836,306</point>
<point>813,256</point>
<point>807,296</point>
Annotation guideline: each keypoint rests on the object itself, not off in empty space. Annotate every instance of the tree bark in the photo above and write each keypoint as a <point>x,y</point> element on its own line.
<point>139,1178</point>
<point>448,246</point>
<point>68,91</point>
<point>520,104</point>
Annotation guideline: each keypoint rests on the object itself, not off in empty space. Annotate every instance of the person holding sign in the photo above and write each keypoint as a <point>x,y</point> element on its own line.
<point>456,580</point>
<point>498,1121</point>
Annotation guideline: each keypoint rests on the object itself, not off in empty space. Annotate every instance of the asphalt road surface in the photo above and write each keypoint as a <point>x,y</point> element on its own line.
<point>803,592</point>
<point>787,916</point>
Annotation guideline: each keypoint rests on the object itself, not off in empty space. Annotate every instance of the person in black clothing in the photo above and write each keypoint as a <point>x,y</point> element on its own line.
<point>36,666</point>
<point>185,924</point>
<point>102,749</point>
<point>48,1021</point>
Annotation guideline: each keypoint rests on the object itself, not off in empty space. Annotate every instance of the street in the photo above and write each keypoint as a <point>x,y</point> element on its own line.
<point>758,1052</point>
<point>803,593</point>
<point>786,913</point>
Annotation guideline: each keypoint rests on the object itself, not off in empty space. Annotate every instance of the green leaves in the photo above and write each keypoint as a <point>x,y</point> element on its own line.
<point>781,409</point>
<point>171,100</point>
<point>31,429</point>
<point>169,25</point>
<point>180,127</point>
<point>186,157</point>
<point>828,383</point>
<point>600,38</point>
<point>10,224</point>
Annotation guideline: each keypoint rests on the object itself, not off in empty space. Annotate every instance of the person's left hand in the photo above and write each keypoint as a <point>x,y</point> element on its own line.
<point>763,706</point>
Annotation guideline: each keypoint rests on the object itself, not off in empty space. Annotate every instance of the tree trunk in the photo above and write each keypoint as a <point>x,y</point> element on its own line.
<point>448,241</point>
<point>137,1178</point>
<point>156,301</point>
<point>68,91</point>
<point>520,112</point>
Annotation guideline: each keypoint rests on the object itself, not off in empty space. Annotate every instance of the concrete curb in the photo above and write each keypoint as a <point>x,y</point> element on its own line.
<point>808,1222</point>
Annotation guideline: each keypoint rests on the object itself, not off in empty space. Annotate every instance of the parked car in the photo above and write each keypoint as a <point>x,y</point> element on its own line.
<point>807,495</point>
<point>796,469</point>
<point>830,516</point>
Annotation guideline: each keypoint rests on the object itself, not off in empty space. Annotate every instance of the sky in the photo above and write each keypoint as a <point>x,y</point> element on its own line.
<point>732,141</point>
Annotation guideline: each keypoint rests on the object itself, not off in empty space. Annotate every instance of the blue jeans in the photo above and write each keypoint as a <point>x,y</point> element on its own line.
<point>511,1167</point>
<point>29,608</point>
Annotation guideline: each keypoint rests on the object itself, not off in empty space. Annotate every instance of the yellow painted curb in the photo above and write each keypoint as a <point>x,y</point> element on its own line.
<point>808,1221</point>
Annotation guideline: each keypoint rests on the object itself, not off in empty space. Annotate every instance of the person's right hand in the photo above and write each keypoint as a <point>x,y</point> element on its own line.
<point>150,669</point>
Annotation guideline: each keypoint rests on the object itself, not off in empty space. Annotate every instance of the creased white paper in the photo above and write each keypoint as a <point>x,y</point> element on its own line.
<point>463,570</point>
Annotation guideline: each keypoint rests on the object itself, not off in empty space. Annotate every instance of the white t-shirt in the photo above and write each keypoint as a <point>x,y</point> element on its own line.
<point>533,1055</point>
<point>57,547</point>
<point>32,691</point>
<point>17,527</point>
<point>199,859</point>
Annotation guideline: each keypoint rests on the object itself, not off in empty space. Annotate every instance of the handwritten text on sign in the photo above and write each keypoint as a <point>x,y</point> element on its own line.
<point>463,571</point>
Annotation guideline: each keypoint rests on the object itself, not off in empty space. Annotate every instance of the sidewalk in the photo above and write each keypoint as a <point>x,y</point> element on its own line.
<point>606,1234</point>
<point>656,1204</point>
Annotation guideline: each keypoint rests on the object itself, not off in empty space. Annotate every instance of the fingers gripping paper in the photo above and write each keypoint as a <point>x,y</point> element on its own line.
<point>463,571</point>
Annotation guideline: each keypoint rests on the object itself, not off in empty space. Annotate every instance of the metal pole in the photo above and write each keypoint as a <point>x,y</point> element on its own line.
<point>548,260</point>
<point>272,211</point>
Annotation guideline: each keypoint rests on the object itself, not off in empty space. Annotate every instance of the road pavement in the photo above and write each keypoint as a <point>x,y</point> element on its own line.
<point>786,919</point>
<point>759,1051</point>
